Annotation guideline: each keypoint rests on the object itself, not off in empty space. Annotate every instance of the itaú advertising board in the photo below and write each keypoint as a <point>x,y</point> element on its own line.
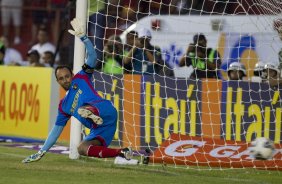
<point>201,151</point>
<point>27,95</point>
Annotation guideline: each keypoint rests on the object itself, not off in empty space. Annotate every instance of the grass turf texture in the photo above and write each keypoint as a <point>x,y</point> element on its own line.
<point>56,168</point>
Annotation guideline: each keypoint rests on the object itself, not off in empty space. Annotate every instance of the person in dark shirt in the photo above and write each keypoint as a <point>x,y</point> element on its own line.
<point>205,61</point>
<point>145,58</point>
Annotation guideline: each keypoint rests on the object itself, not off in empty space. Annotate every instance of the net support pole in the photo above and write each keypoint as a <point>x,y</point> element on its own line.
<point>79,55</point>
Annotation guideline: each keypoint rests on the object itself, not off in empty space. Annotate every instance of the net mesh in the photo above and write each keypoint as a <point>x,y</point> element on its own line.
<point>177,96</point>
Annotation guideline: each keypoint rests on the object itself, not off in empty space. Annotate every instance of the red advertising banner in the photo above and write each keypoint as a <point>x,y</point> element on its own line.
<point>187,150</point>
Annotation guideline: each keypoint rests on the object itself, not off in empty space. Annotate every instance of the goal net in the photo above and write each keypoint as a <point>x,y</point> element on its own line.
<point>173,93</point>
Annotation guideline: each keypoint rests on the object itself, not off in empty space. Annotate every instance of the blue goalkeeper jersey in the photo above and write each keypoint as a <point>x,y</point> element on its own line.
<point>81,91</point>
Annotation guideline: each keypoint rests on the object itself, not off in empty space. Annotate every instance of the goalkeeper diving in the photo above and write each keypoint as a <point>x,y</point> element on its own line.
<point>83,102</point>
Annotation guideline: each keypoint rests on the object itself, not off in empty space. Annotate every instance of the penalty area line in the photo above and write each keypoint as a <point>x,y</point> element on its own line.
<point>13,155</point>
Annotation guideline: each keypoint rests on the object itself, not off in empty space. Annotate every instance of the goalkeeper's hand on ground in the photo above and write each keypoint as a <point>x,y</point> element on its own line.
<point>78,28</point>
<point>35,157</point>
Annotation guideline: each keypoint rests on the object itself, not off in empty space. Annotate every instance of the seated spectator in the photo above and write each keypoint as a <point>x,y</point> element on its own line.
<point>113,52</point>
<point>259,74</point>
<point>33,58</point>
<point>12,56</point>
<point>48,59</point>
<point>145,58</point>
<point>2,53</point>
<point>205,61</point>
<point>236,71</point>
<point>43,44</point>
<point>273,71</point>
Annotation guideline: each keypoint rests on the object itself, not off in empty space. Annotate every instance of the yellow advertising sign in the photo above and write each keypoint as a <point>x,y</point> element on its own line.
<point>25,101</point>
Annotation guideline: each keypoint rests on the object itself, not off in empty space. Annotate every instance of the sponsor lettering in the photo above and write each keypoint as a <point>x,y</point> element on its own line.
<point>19,102</point>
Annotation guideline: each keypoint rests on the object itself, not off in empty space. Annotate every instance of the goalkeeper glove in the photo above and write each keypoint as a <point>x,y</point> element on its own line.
<point>35,157</point>
<point>78,28</point>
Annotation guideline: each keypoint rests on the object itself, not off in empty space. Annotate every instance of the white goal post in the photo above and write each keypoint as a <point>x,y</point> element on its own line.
<point>79,54</point>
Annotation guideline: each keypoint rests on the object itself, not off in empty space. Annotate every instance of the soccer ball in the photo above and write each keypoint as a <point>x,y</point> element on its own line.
<point>262,148</point>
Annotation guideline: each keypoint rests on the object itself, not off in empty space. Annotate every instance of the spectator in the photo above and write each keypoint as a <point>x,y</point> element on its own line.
<point>12,9</point>
<point>48,59</point>
<point>205,61</point>
<point>43,44</point>
<point>33,58</point>
<point>272,71</point>
<point>144,57</point>
<point>12,56</point>
<point>259,74</point>
<point>98,21</point>
<point>236,71</point>
<point>39,17</point>
<point>131,39</point>
<point>2,53</point>
<point>113,52</point>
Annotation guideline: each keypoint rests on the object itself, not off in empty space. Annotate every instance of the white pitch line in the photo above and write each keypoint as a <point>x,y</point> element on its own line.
<point>13,155</point>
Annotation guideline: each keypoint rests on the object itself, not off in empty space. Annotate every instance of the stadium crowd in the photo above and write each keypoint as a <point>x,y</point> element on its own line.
<point>47,45</point>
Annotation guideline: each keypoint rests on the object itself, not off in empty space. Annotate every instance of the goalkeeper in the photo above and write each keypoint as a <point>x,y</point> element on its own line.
<point>84,103</point>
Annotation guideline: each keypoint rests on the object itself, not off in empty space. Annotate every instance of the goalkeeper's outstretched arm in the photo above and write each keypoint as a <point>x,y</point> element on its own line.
<point>50,141</point>
<point>91,59</point>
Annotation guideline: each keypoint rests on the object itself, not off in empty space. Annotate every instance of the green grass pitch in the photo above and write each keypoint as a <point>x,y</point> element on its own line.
<point>56,168</point>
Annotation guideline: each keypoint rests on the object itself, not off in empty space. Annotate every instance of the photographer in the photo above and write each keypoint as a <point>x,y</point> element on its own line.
<point>144,57</point>
<point>113,52</point>
<point>272,71</point>
<point>205,61</point>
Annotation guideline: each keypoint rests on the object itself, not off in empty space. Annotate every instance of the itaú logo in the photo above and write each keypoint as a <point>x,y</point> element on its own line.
<point>188,148</point>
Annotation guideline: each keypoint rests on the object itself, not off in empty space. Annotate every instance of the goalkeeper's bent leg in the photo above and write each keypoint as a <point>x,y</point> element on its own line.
<point>104,152</point>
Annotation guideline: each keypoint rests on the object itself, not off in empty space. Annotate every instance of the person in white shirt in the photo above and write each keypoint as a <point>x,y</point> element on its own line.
<point>12,56</point>
<point>44,45</point>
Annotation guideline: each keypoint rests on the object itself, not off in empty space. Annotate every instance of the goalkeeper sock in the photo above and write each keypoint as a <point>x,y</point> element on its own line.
<point>102,152</point>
